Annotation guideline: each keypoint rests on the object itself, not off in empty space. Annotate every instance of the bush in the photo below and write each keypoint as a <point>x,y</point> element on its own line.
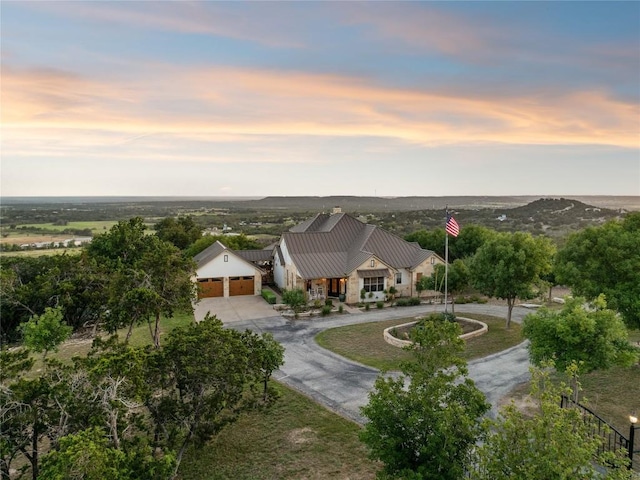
<point>412,301</point>
<point>269,296</point>
<point>328,302</point>
<point>326,310</point>
<point>402,302</point>
<point>379,304</point>
<point>450,317</point>
<point>317,304</point>
<point>340,309</point>
<point>367,306</point>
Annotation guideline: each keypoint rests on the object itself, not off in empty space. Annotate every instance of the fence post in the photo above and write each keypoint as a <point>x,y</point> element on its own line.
<point>632,434</point>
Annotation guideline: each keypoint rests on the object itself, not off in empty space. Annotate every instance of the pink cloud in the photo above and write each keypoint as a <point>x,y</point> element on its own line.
<point>54,113</point>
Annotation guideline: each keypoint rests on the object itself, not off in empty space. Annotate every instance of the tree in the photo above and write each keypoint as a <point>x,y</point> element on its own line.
<point>29,285</point>
<point>148,277</point>
<point>458,280</point>
<point>45,332</point>
<point>295,299</point>
<point>203,372</point>
<point>508,265</point>
<point>595,337</point>
<point>554,442</point>
<point>236,242</point>
<point>84,456</point>
<point>88,455</point>
<point>266,355</point>
<point>605,259</point>
<point>182,232</point>
<point>470,239</point>
<point>433,240</point>
<point>425,423</point>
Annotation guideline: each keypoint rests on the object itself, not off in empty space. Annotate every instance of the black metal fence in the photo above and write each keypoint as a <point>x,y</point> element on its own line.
<point>612,439</point>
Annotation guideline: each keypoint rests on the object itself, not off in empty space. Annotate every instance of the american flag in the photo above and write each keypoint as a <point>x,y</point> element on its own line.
<point>452,227</point>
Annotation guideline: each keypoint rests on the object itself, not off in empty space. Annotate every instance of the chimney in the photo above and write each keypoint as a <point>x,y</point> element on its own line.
<point>336,210</point>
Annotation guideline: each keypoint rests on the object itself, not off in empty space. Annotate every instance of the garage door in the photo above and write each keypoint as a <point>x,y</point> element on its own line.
<point>210,287</point>
<point>241,286</point>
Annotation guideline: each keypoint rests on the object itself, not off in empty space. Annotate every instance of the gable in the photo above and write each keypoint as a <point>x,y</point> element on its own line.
<point>336,245</point>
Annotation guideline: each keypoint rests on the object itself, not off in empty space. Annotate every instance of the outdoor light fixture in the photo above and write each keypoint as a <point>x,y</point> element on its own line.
<point>633,418</point>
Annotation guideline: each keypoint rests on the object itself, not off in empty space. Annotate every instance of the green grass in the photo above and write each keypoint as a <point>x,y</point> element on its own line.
<point>364,343</point>
<point>41,252</point>
<point>140,336</point>
<point>612,394</point>
<point>97,226</point>
<point>295,438</point>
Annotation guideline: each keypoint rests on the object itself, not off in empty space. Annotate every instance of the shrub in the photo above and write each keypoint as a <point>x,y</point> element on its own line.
<point>269,296</point>
<point>402,302</point>
<point>328,302</point>
<point>326,310</point>
<point>379,304</point>
<point>340,309</point>
<point>449,316</point>
<point>317,303</point>
<point>367,306</point>
<point>412,301</point>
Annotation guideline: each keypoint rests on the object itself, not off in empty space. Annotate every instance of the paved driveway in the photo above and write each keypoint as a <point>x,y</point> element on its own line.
<point>343,385</point>
<point>234,310</point>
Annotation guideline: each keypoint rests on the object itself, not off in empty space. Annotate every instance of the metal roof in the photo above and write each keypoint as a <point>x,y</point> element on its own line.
<point>255,255</point>
<point>334,245</point>
<point>378,272</point>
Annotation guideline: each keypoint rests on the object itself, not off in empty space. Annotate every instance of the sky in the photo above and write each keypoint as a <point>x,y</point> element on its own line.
<point>319,98</point>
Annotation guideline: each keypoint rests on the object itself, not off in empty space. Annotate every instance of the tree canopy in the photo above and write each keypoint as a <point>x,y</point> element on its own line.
<point>593,336</point>
<point>605,259</point>
<point>554,443</point>
<point>425,423</point>
<point>181,232</point>
<point>509,265</point>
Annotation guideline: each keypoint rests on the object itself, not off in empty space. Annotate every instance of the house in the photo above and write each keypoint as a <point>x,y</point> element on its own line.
<point>222,272</point>
<point>337,255</point>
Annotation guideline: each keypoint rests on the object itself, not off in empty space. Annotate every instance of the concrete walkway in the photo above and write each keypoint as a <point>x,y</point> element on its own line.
<point>343,385</point>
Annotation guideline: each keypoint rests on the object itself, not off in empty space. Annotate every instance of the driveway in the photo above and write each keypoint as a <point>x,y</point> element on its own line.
<point>343,386</point>
<point>234,310</point>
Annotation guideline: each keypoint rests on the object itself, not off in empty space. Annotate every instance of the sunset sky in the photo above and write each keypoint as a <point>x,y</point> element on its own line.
<point>326,98</point>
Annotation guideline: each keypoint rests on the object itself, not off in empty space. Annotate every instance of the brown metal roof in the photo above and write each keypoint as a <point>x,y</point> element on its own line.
<point>378,272</point>
<point>209,253</point>
<point>334,245</point>
<point>255,255</point>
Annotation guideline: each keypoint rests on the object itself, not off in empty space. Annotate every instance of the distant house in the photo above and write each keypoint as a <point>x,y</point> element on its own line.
<point>222,272</point>
<point>336,255</point>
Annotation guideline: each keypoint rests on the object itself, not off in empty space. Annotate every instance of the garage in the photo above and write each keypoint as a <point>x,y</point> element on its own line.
<point>241,286</point>
<point>210,287</point>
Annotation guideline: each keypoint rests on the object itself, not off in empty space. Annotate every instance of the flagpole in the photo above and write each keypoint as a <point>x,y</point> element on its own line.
<point>446,262</point>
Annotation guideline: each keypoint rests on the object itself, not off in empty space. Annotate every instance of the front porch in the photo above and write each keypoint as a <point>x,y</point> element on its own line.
<point>322,288</point>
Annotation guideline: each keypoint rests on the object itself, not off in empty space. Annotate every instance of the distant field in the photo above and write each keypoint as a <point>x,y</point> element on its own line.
<point>96,227</point>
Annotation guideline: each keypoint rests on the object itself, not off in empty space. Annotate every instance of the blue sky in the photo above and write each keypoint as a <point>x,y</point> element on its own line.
<point>320,98</point>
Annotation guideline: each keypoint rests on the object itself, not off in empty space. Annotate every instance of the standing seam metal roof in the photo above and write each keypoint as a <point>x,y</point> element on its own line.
<point>334,245</point>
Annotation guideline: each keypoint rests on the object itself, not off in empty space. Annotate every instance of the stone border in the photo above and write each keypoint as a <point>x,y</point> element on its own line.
<point>396,342</point>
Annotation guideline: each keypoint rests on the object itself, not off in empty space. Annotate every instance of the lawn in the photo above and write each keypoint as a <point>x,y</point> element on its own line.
<point>612,394</point>
<point>295,438</point>
<point>364,343</point>
<point>140,336</point>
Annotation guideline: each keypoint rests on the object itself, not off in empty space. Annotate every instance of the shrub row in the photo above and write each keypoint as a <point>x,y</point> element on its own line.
<point>269,296</point>
<point>407,302</point>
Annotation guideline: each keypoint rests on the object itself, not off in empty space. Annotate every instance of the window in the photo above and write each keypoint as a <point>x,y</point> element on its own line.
<point>374,284</point>
<point>433,259</point>
<point>398,278</point>
<point>226,258</point>
<point>373,263</point>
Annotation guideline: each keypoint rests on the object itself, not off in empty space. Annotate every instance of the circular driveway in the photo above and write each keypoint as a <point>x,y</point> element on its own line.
<point>343,385</point>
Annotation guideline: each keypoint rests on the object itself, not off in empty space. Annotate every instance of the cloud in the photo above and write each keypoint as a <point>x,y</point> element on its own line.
<point>171,110</point>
